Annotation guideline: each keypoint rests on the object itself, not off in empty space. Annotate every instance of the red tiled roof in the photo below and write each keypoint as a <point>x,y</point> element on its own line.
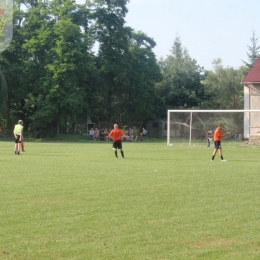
<point>253,74</point>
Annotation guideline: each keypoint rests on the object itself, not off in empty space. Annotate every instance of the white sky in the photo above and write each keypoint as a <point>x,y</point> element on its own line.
<point>209,29</point>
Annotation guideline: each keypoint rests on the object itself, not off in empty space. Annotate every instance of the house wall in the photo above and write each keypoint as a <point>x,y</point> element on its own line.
<point>155,128</point>
<point>246,115</point>
<point>254,139</point>
<point>252,102</point>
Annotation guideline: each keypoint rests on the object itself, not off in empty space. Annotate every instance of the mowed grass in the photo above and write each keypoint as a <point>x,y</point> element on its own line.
<point>76,201</point>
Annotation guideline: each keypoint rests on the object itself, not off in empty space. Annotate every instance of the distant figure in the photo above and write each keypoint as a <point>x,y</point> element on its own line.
<point>217,142</point>
<point>116,134</point>
<point>18,135</point>
<point>131,134</point>
<point>91,133</point>
<point>101,134</point>
<point>96,134</point>
<point>210,136</point>
<point>143,133</point>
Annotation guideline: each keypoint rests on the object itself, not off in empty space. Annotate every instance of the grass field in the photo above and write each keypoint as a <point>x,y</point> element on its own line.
<point>76,201</point>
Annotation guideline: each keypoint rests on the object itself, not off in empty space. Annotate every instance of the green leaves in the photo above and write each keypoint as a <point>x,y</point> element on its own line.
<point>182,85</point>
<point>225,85</point>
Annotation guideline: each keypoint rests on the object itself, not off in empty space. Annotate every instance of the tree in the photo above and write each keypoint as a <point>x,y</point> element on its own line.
<point>12,65</point>
<point>253,51</point>
<point>223,85</point>
<point>127,66</point>
<point>139,96</point>
<point>182,87</point>
<point>3,96</point>
<point>59,66</point>
<point>112,37</point>
<point>55,80</point>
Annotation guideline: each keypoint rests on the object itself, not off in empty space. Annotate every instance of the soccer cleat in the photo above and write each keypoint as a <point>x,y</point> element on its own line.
<point>223,160</point>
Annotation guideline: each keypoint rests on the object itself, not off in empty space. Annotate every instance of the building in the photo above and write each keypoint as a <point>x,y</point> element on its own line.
<point>251,84</point>
<point>157,128</point>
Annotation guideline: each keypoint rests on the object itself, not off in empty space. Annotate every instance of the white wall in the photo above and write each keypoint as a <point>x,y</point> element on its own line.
<point>246,115</point>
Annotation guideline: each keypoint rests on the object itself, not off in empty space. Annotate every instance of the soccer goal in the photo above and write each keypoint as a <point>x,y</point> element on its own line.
<point>192,125</point>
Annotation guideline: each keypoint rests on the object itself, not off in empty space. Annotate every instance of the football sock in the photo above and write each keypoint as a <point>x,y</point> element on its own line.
<point>221,157</point>
<point>122,153</point>
<point>213,157</point>
<point>116,154</point>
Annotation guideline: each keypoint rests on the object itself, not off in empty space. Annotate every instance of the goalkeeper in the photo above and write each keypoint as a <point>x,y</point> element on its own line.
<point>217,142</point>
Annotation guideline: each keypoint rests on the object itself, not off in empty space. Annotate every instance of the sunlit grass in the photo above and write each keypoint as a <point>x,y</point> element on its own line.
<point>76,201</point>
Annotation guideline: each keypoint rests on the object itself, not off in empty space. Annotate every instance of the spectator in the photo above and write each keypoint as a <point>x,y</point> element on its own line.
<point>131,133</point>
<point>91,133</point>
<point>101,134</point>
<point>96,134</point>
<point>143,134</point>
<point>106,132</point>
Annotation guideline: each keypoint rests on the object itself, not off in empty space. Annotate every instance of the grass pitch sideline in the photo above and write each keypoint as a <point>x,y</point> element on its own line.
<point>76,201</point>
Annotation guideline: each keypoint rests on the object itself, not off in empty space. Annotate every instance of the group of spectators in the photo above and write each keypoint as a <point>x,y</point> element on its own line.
<point>129,135</point>
<point>102,134</point>
<point>99,134</point>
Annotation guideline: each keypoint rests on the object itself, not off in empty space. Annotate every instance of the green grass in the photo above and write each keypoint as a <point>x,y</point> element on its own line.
<point>76,201</point>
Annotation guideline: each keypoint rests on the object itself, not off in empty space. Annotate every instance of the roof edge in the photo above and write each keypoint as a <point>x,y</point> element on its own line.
<point>250,82</point>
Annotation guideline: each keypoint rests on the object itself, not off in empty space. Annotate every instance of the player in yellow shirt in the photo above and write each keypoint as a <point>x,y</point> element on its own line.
<point>18,135</point>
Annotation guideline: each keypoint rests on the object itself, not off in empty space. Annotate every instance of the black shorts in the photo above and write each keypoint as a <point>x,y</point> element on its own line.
<point>217,144</point>
<point>117,144</point>
<point>17,140</point>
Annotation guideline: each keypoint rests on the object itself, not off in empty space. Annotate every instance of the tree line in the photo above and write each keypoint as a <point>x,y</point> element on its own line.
<point>69,62</point>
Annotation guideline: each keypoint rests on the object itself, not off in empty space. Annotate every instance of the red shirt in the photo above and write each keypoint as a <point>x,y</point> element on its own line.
<point>117,134</point>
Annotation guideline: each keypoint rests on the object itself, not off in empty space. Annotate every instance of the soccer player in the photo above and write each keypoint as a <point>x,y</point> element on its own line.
<point>18,135</point>
<point>217,142</point>
<point>116,134</point>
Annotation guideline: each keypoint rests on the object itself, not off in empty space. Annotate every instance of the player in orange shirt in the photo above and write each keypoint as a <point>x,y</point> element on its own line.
<point>217,142</point>
<point>116,134</point>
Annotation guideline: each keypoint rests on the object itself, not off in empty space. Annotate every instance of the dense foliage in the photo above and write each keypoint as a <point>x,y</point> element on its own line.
<point>70,62</point>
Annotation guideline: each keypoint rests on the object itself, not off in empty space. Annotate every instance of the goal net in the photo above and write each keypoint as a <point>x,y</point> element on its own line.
<point>193,125</point>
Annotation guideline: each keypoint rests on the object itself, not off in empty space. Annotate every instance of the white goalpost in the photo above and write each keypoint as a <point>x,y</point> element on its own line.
<point>191,125</point>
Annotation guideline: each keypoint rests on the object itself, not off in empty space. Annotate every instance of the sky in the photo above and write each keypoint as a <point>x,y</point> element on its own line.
<point>208,29</point>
